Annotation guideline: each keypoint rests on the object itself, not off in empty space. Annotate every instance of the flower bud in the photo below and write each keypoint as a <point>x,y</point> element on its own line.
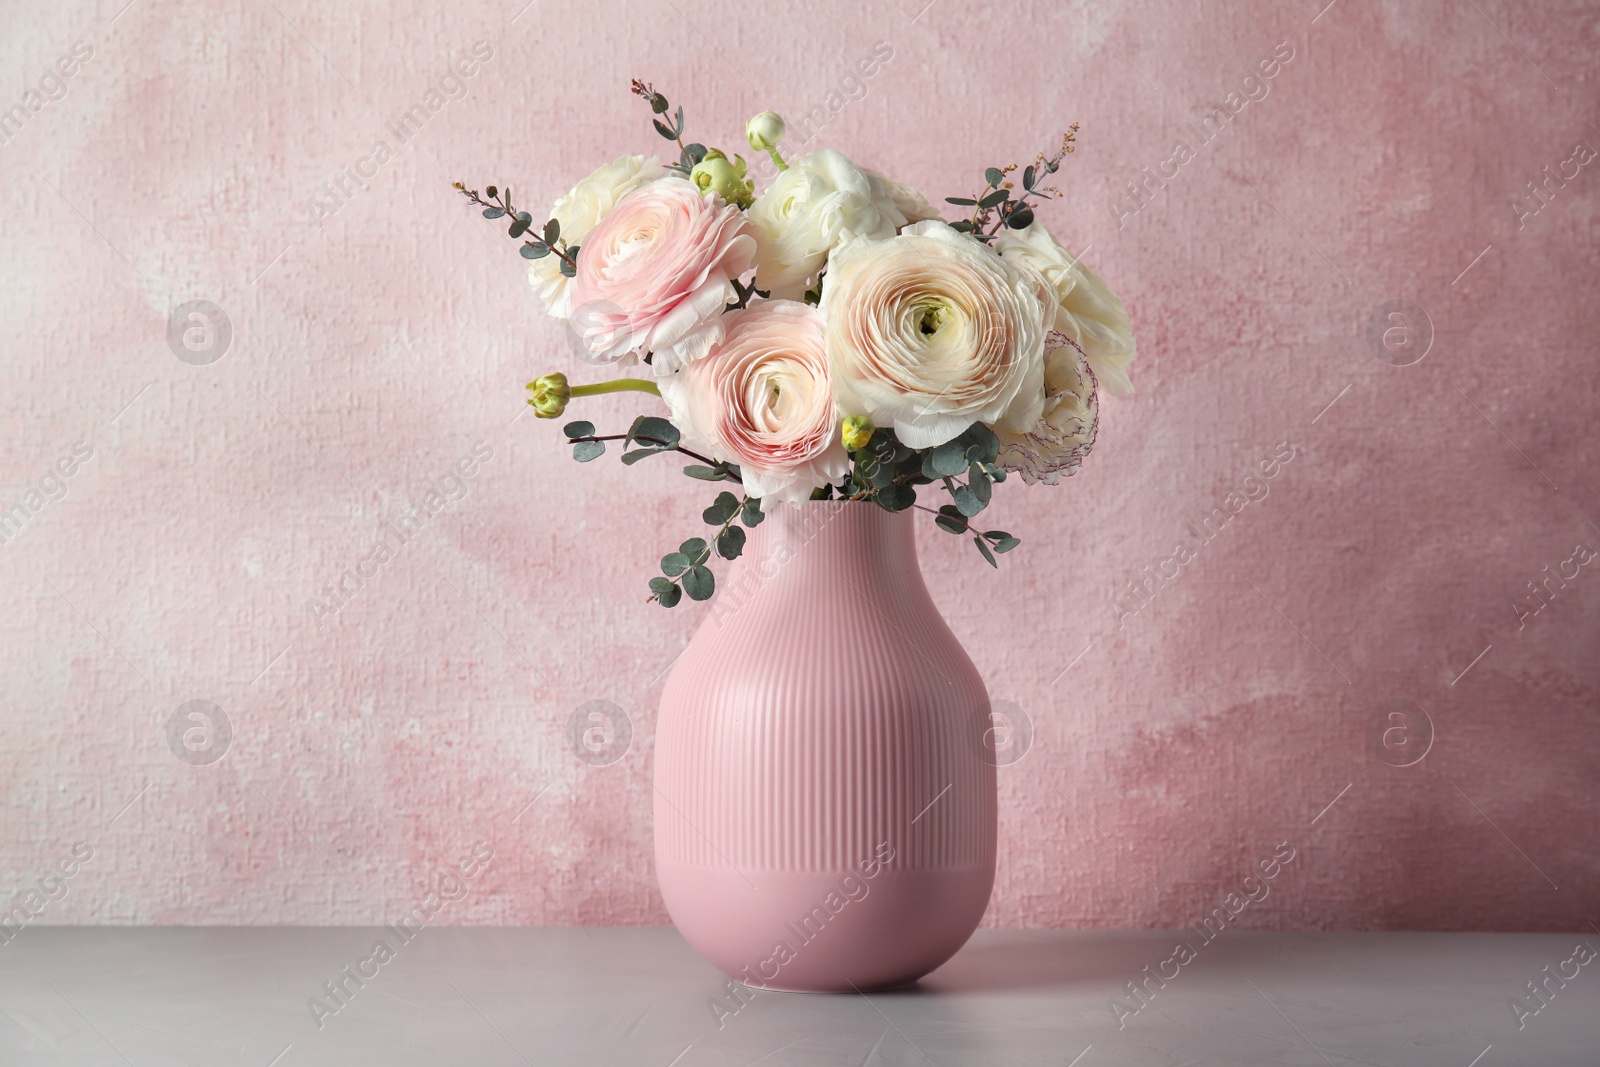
<point>855,432</point>
<point>550,395</point>
<point>765,131</point>
<point>718,174</point>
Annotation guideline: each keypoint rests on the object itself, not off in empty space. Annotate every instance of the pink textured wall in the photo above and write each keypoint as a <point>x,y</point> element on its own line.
<point>382,339</point>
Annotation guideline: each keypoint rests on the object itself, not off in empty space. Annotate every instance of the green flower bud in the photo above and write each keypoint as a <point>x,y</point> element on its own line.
<point>716,173</point>
<point>550,395</point>
<point>856,432</point>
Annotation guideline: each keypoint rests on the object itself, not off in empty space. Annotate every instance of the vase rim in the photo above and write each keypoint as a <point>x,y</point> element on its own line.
<point>835,503</point>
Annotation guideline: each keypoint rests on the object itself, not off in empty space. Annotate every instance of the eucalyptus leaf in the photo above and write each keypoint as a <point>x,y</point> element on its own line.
<point>866,465</point>
<point>1021,218</point>
<point>694,548</point>
<point>704,474</point>
<point>724,508</point>
<point>949,525</point>
<point>752,514</point>
<point>584,451</point>
<point>660,586</point>
<point>730,542</point>
<point>670,598</point>
<point>664,130</point>
<point>994,199</point>
<point>568,270</point>
<point>979,483</point>
<point>967,501</point>
<point>493,212</point>
<point>982,446</point>
<point>653,431</point>
<point>699,583</point>
<point>994,175</point>
<point>986,553</point>
<point>1007,544</point>
<point>674,564</point>
<point>896,498</point>
<point>963,201</point>
<point>552,231</point>
<point>579,429</point>
<point>630,458</point>
<point>1027,178</point>
<point>658,104</point>
<point>518,228</point>
<point>947,460</point>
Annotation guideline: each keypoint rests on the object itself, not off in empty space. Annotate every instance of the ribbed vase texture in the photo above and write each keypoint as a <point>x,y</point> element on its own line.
<point>824,801</point>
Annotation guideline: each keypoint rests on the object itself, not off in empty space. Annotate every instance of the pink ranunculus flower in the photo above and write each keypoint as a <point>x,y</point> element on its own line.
<point>656,273</point>
<point>763,399</point>
<point>578,213</point>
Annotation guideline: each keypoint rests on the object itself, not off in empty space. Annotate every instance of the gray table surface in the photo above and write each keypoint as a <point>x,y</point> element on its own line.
<point>483,997</point>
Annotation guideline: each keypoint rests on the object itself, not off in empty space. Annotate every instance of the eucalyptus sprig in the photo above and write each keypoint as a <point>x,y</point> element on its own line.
<point>685,570</point>
<point>689,155</point>
<point>994,208</point>
<point>549,242</point>
<point>650,435</point>
<point>887,472</point>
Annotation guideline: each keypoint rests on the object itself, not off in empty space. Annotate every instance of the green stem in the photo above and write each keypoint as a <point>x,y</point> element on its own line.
<point>777,160</point>
<point>617,385</point>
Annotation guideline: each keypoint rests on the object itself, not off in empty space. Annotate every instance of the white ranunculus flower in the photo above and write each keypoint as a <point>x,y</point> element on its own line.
<point>578,212</point>
<point>821,200</point>
<point>1087,310</point>
<point>930,331</point>
<point>912,204</point>
<point>1057,444</point>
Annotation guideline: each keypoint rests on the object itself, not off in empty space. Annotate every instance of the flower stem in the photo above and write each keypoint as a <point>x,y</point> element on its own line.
<point>617,385</point>
<point>777,160</point>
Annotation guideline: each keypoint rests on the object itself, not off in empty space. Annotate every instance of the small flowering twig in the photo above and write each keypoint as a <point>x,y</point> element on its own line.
<point>986,221</point>
<point>549,242</point>
<point>688,154</point>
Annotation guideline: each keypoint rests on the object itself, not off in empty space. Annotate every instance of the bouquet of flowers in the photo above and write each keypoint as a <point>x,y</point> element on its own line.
<point>830,338</point>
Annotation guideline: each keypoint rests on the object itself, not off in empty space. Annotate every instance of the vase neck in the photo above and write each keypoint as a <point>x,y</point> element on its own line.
<point>824,544</point>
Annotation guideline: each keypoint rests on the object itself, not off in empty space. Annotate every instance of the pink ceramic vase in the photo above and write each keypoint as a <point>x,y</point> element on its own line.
<point>824,805</point>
